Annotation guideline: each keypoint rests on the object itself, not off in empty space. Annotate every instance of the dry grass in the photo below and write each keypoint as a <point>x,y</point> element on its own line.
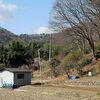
<point>48,93</point>
<point>57,89</point>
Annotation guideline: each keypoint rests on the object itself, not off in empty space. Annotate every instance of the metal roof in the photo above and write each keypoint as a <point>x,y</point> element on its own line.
<point>15,70</point>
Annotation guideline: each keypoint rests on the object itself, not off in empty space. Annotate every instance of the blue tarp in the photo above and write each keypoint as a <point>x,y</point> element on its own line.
<point>72,77</point>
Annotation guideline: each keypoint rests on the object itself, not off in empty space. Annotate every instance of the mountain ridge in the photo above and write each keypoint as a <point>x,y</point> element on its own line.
<point>6,36</point>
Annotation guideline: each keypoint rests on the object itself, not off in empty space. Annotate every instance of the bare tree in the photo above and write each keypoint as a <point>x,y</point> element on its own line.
<point>79,15</point>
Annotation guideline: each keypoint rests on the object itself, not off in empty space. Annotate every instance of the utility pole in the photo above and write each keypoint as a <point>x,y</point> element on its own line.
<point>39,58</point>
<point>50,49</point>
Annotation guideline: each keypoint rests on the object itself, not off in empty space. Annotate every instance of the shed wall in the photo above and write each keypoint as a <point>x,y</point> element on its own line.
<point>6,78</point>
<point>24,81</point>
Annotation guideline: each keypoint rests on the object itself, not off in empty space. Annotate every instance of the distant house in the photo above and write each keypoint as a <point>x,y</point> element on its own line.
<point>10,77</point>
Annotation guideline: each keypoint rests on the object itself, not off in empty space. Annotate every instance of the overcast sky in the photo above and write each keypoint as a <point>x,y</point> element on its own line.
<point>25,16</point>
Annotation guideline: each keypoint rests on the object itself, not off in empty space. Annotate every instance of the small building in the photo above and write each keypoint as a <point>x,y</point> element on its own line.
<point>10,77</point>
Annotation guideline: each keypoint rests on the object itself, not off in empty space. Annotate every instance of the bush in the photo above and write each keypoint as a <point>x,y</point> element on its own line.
<point>99,67</point>
<point>97,47</point>
<point>64,61</point>
<point>87,51</point>
<point>96,69</point>
<point>71,59</point>
<point>73,56</point>
<point>54,62</point>
<point>97,55</point>
<point>84,62</point>
<point>2,66</point>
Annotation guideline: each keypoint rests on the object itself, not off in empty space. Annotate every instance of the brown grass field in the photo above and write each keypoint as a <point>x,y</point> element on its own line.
<point>56,89</point>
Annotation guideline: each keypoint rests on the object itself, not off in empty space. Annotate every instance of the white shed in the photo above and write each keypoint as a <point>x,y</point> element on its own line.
<point>14,76</point>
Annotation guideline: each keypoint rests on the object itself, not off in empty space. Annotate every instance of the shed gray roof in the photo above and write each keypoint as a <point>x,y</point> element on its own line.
<point>17,70</point>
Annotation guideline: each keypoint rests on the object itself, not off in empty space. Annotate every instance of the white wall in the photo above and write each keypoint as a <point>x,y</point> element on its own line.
<point>6,77</point>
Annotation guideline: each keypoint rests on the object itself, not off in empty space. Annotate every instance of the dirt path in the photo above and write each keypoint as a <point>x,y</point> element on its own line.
<point>75,88</point>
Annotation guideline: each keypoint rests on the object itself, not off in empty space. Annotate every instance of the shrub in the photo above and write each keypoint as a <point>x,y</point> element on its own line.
<point>84,62</point>
<point>2,66</point>
<point>73,56</point>
<point>97,46</point>
<point>54,63</point>
<point>96,69</point>
<point>97,55</point>
<point>71,59</point>
<point>64,61</point>
<point>87,51</point>
<point>99,67</point>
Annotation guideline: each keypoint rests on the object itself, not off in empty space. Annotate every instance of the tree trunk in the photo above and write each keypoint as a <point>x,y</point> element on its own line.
<point>91,43</point>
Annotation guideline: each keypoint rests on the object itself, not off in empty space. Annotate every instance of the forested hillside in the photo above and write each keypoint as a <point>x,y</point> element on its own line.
<point>57,38</point>
<point>6,36</point>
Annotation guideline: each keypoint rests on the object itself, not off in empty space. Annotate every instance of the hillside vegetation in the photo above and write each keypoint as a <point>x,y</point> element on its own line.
<point>6,36</point>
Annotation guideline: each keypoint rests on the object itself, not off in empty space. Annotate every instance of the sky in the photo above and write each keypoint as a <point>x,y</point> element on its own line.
<point>25,16</point>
